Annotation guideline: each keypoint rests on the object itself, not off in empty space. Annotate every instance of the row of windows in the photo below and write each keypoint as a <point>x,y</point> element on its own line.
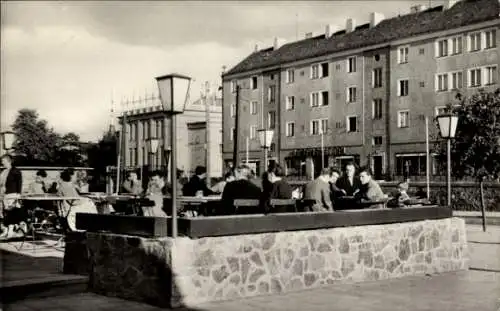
<point>481,76</point>
<point>475,41</point>
<point>153,129</point>
<point>320,126</point>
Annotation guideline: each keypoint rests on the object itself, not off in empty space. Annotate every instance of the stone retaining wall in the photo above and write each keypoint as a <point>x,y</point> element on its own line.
<point>230,267</point>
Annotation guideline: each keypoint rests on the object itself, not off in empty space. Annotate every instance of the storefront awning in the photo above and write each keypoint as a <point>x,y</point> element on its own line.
<point>329,151</point>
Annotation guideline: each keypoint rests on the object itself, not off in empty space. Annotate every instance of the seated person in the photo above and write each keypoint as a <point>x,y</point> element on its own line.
<point>348,183</point>
<point>317,193</point>
<point>155,192</point>
<point>401,197</point>
<point>219,187</point>
<point>335,192</point>
<point>39,186</point>
<point>274,186</point>
<point>69,208</point>
<point>370,190</point>
<point>82,185</point>
<point>241,188</point>
<point>132,185</point>
<point>197,183</point>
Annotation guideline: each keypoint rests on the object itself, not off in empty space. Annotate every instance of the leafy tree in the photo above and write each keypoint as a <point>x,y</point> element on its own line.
<point>70,150</point>
<point>101,155</point>
<point>36,143</point>
<point>475,150</point>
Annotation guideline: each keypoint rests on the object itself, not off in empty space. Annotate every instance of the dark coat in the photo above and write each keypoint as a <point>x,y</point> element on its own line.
<point>344,184</point>
<point>239,189</point>
<point>194,185</point>
<point>277,190</point>
<point>14,181</point>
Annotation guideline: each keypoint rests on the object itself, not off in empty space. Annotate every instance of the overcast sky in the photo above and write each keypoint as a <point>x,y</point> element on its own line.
<point>69,59</point>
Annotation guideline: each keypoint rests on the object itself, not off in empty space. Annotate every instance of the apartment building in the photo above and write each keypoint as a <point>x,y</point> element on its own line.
<point>366,88</point>
<point>149,121</point>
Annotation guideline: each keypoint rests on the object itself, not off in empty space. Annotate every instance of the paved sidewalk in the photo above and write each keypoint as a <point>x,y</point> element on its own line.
<point>484,248</point>
<point>460,291</point>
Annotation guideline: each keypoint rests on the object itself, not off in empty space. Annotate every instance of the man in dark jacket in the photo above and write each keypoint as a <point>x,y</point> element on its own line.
<point>197,183</point>
<point>349,184</point>
<point>241,188</point>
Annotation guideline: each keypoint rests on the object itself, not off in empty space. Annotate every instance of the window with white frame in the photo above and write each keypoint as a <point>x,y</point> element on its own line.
<point>290,102</point>
<point>314,127</point>
<point>403,118</point>
<point>377,140</point>
<point>233,86</point>
<point>231,134</point>
<point>442,48</point>
<point>456,45</point>
<point>442,82</point>
<point>403,55</point>
<point>253,83</point>
<point>351,94</point>
<point>324,70</point>
<point>324,98</point>
<point>253,107</point>
<point>490,37</point>
<point>440,110</point>
<point>233,110</point>
<point>490,75</point>
<point>290,129</point>
<point>271,119</point>
<point>324,126</point>
<point>351,64</point>
<point>377,109</point>
<point>403,87</point>
<point>253,131</point>
<point>315,99</point>
<point>456,80</point>
<point>377,77</point>
<point>474,41</point>
<point>290,76</point>
<point>351,124</point>
<point>315,71</point>
<point>475,77</point>
<point>271,93</point>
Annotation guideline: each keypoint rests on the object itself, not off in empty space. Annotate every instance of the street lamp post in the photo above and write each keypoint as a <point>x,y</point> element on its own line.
<point>174,91</point>
<point>265,137</point>
<point>447,127</point>
<point>153,143</point>
<point>322,148</point>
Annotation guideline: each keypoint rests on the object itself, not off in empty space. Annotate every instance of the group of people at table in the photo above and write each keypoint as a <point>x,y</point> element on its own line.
<point>330,191</point>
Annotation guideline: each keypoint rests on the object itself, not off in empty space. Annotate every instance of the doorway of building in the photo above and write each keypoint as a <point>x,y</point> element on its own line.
<point>378,167</point>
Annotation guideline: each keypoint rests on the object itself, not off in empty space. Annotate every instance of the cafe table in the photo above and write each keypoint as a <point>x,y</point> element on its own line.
<point>60,215</point>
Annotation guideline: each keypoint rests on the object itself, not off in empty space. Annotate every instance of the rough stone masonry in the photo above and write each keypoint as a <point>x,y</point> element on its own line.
<point>186,271</point>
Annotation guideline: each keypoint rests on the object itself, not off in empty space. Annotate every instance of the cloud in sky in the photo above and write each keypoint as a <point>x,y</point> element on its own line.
<point>65,59</point>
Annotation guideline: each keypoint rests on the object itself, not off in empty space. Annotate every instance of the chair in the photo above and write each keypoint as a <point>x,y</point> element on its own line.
<point>283,205</point>
<point>246,204</point>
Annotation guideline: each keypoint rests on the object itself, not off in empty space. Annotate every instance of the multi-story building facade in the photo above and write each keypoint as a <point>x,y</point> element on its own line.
<point>367,88</point>
<point>149,121</point>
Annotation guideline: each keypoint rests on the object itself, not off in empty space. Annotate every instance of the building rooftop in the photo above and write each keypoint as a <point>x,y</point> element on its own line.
<point>435,19</point>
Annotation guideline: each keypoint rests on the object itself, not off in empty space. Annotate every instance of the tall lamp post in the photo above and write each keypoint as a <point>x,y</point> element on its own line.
<point>8,138</point>
<point>447,127</point>
<point>153,143</point>
<point>174,92</point>
<point>265,137</point>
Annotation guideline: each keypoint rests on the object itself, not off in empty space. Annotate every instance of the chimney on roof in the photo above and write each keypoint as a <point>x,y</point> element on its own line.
<point>449,3</point>
<point>417,8</point>
<point>375,19</point>
<point>309,35</point>
<point>330,30</point>
<point>256,49</point>
<point>278,42</point>
<point>350,25</point>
